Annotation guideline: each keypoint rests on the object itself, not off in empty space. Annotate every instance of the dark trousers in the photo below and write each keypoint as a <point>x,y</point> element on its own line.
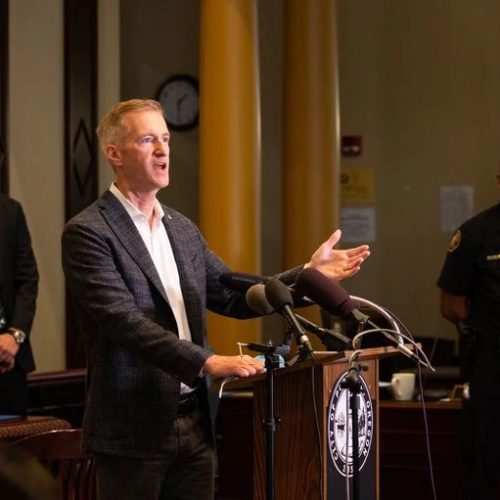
<point>14,392</point>
<point>481,431</point>
<point>185,471</point>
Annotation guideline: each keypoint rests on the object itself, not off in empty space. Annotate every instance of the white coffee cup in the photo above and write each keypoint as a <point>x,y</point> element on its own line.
<point>403,386</point>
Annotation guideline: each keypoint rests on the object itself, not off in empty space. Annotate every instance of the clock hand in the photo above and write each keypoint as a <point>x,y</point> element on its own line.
<point>178,104</point>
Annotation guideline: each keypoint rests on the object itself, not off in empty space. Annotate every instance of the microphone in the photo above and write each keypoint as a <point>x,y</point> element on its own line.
<point>256,300</point>
<point>334,299</point>
<point>328,294</point>
<point>280,298</point>
<point>241,282</point>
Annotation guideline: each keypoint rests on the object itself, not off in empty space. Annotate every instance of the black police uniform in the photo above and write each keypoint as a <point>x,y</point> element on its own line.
<point>472,269</point>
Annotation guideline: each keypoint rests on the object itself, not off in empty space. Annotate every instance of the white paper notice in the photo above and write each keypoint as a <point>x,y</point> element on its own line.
<point>358,224</point>
<point>457,205</point>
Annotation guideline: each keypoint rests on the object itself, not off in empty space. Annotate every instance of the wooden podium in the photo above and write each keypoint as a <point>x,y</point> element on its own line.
<point>311,433</point>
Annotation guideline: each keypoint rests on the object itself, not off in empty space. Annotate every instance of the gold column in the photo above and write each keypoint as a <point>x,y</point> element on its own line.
<point>311,128</point>
<point>230,149</point>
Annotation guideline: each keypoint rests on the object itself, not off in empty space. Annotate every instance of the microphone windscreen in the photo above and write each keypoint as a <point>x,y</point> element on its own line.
<point>328,294</point>
<point>257,301</point>
<point>240,282</point>
<point>278,294</point>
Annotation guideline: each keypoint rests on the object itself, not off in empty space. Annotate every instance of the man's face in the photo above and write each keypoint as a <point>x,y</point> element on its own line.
<point>141,159</point>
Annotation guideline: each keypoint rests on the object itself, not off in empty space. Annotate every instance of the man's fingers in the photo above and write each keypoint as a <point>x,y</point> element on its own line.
<point>334,238</point>
<point>362,249</point>
<point>241,366</point>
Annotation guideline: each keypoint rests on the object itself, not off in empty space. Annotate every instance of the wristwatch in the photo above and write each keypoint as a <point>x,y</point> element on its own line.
<point>19,335</point>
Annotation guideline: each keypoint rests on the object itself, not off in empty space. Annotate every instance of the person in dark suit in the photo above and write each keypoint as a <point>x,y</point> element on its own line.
<point>142,277</point>
<point>18,293</point>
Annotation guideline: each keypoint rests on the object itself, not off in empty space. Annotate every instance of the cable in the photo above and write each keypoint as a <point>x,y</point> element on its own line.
<point>347,434</point>
<point>224,382</point>
<point>384,312</point>
<point>427,439</point>
<point>354,356</point>
<point>409,338</point>
<point>417,355</point>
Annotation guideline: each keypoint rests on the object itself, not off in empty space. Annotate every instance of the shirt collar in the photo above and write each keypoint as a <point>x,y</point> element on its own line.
<point>132,210</point>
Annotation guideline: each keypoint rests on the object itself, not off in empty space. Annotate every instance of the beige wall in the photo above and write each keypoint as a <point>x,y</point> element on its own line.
<point>108,71</point>
<point>419,82</point>
<point>160,38</point>
<point>168,46</point>
<point>36,157</point>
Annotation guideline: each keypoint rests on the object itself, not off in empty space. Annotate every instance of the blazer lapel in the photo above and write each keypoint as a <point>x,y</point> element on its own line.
<point>125,230</point>
<point>189,284</point>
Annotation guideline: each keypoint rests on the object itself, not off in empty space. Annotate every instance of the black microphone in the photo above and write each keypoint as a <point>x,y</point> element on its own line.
<point>328,294</point>
<point>257,301</point>
<point>241,282</point>
<point>336,300</point>
<point>280,298</point>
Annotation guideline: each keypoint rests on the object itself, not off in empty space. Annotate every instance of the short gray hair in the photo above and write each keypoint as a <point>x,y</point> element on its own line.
<point>111,128</point>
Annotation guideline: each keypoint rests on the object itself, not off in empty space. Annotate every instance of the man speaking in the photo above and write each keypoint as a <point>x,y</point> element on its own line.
<point>142,277</point>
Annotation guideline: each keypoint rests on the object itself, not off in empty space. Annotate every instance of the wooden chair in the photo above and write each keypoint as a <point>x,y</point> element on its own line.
<point>60,450</point>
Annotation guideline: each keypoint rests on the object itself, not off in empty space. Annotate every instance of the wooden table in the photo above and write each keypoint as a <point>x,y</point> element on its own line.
<point>404,463</point>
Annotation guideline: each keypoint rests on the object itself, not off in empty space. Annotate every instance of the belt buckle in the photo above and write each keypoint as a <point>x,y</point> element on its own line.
<point>185,398</point>
<point>187,403</point>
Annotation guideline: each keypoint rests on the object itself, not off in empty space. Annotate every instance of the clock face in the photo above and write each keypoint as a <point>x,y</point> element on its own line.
<point>179,98</point>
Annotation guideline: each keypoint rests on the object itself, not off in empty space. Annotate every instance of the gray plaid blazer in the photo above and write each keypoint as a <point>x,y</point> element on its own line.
<point>135,358</point>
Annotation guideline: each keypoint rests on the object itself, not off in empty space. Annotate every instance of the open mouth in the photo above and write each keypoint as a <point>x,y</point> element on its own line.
<point>161,166</point>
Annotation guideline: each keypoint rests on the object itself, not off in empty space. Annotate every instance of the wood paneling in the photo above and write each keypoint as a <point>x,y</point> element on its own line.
<point>81,174</point>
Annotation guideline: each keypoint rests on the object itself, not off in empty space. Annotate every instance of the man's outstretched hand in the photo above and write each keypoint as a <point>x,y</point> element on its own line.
<point>338,264</point>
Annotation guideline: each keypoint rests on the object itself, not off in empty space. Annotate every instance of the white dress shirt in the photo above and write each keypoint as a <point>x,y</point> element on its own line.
<point>156,240</point>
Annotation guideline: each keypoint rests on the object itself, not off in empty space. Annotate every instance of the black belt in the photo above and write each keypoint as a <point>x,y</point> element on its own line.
<point>187,403</point>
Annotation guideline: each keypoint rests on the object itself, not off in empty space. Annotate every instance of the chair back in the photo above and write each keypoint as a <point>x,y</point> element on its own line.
<point>61,451</point>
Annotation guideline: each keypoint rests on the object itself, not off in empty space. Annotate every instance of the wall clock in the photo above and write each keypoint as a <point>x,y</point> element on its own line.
<point>179,98</point>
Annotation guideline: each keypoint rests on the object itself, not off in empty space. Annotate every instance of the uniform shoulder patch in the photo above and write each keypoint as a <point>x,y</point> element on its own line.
<point>455,241</point>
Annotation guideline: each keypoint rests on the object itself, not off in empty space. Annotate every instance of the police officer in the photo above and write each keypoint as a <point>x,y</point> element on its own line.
<point>470,299</point>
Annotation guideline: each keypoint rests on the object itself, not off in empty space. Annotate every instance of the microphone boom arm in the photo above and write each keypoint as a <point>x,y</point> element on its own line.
<point>322,332</point>
<point>384,313</point>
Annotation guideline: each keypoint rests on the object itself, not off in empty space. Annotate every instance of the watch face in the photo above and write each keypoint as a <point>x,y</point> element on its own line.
<point>179,98</point>
<point>18,335</point>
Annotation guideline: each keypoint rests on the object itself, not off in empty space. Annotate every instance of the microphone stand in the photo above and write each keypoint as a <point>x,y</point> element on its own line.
<point>269,422</point>
<point>322,333</point>
<point>353,384</point>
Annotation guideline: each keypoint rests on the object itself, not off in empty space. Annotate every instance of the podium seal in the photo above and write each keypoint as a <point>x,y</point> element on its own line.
<point>340,426</point>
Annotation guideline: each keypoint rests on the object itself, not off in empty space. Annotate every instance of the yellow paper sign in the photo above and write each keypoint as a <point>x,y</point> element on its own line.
<point>357,185</point>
